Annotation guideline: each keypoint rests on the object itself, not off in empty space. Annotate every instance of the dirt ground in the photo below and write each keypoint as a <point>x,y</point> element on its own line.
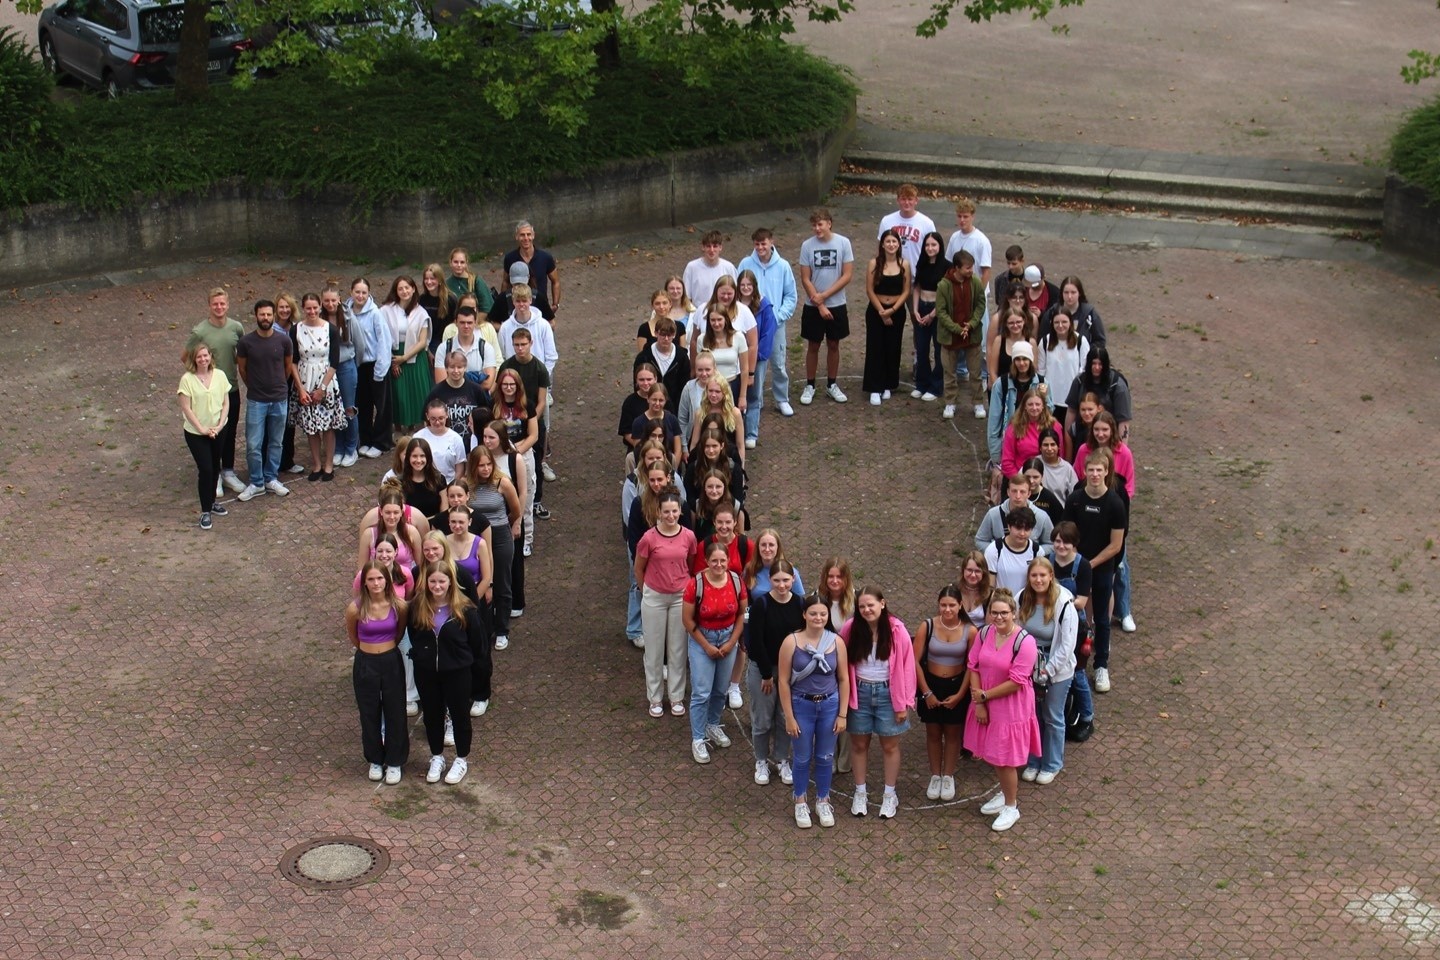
<point>177,706</point>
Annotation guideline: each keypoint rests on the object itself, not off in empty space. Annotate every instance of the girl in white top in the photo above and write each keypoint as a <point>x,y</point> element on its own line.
<point>729,350</point>
<point>742,319</point>
<point>1061,355</point>
<point>409,324</point>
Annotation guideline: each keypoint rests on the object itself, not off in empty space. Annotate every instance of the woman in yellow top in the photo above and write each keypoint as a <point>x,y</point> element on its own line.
<point>204,396</point>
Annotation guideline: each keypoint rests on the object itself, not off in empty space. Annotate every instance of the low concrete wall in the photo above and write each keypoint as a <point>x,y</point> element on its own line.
<point>50,242</point>
<point>1412,221</point>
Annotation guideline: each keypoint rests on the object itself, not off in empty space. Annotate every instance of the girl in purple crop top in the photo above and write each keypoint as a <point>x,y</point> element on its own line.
<point>942,644</point>
<point>808,669</point>
<point>374,622</point>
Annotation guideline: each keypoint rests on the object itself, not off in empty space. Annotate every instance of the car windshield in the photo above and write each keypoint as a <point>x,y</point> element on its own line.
<point>162,25</point>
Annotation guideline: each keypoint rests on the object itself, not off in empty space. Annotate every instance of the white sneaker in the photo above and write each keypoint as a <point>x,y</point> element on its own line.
<point>478,708</point>
<point>638,642</point>
<point>836,393</point>
<point>437,767</point>
<point>1102,680</point>
<point>874,399</point>
<point>859,804</point>
<point>889,804</point>
<point>392,776</point>
<point>1029,774</point>
<point>802,815</point>
<point>885,395</point>
<point>825,813</point>
<point>716,735</point>
<point>516,614</point>
<point>412,709</point>
<point>449,733</point>
<point>335,460</point>
<point>232,481</point>
<point>278,488</point>
<point>548,472</point>
<point>785,409</point>
<point>700,750</point>
<point>787,776</point>
<point>526,550</point>
<point>349,460</point>
<point>928,397</point>
<point>250,493</point>
<point>736,701</point>
<point>1127,623</point>
<point>915,394</point>
<point>296,468</point>
<point>750,443</point>
<point>980,415</point>
<point>1045,776</point>
<point>994,805</point>
<point>932,792</point>
<point>502,642</point>
<point>947,788</point>
<point>807,395</point>
<point>1006,820</point>
<point>762,772</point>
<point>949,412</point>
<point>458,769</point>
<point>376,772</point>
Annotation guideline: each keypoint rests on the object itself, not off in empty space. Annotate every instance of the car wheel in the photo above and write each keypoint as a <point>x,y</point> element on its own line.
<point>48,58</point>
<point>113,90</point>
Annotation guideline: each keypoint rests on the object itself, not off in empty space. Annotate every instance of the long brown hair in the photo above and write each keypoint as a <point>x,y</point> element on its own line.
<point>863,639</point>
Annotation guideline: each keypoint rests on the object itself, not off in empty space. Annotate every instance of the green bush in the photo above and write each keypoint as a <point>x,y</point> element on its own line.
<point>414,126</point>
<point>25,108</point>
<point>1415,149</point>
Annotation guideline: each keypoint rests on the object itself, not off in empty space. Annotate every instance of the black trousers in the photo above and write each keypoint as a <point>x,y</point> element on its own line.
<point>517,576</point>
<point>379,680</point>
<point>541,449</point>
<point>372,403</point>
<point>484,666</point>
<point>206,451</point>
<point>442,690</point>
<point>227,433</point>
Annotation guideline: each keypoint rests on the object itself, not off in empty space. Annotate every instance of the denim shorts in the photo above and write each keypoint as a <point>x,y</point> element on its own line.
<point>875,714</point>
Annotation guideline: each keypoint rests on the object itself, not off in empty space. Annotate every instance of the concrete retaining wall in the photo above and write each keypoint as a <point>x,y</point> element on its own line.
<point>1412,221</point>
<point>50,242</point>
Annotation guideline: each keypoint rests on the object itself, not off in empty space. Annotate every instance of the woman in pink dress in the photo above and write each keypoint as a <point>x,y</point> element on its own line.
<point>1001,728</point>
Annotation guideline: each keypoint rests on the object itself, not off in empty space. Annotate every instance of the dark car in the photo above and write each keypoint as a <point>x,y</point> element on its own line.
<point>122,45</point>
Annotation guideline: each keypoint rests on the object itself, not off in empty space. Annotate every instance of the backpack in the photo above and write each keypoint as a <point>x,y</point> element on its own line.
<point>700,588</point>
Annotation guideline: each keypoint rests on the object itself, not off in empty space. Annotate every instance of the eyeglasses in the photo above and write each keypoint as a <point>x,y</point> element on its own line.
<point>1001,614</point>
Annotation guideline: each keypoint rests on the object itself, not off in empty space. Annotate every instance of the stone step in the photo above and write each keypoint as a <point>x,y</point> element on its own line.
<point>1303,204</point>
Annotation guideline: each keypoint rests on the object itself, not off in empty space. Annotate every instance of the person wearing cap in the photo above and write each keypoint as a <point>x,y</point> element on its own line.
<point>1005,394</point>
<point>1040,294</point>
<point>540,273</point>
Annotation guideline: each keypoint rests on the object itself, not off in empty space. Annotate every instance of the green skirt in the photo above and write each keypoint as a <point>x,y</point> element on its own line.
<point>410,389</point>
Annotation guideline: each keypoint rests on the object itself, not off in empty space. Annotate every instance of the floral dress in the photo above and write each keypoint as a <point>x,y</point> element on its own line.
<point>316,351</point>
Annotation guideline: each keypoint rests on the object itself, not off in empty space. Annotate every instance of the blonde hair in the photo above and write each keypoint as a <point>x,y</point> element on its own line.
<point>1028,597</point>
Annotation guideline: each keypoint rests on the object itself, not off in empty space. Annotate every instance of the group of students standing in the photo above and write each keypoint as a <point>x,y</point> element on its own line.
<point>991,672</point>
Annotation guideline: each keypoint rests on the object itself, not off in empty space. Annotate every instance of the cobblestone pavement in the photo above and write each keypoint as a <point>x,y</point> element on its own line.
<point>177,711</point>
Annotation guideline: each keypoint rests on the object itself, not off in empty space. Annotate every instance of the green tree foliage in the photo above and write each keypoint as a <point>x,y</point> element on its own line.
<point>26,114</point>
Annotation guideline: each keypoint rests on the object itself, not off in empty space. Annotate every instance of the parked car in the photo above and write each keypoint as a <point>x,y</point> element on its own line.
<point>332,32</point>
<point>123,45</point>
<point>523,20</point>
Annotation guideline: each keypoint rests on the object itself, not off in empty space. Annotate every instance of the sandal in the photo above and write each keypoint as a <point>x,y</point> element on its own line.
<point>677,709</point>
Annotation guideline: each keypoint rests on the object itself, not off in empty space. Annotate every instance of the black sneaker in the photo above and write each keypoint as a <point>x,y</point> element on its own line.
<point>540,512</point>
<point>219,510</point>
<point>204,521</point>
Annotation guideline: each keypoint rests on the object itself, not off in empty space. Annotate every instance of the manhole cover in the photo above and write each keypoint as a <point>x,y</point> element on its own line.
<point>334,863</point>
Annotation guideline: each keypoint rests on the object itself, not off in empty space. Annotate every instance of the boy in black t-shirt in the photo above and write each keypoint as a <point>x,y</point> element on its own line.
<point>1100,516</point>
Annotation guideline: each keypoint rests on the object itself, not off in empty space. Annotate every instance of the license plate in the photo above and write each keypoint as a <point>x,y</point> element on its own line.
<point>217,66</point>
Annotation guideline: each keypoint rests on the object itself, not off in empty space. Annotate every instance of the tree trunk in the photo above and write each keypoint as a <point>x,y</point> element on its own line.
<point>607,51</point>
<point>192,80</point>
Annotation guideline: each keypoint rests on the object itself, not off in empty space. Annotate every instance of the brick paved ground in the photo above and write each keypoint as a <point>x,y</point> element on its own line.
<point>177,710</point>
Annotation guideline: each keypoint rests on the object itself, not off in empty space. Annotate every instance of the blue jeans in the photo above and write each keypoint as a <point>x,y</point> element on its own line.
<point>779,376</point>
<point>1083,698</point>
<point>709,682</point>
<point>753,398</point>
<point>816,743</point>
<point>264,435</point>
<point>347,441</point>
<point>1102,582</point>
<point>1122,589</point>
<point>929,377</point>
<point>633,627</point>
<point>1052,728</point>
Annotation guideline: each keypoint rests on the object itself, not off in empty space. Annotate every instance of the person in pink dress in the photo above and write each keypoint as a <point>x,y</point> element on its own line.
<point>1001,727</point>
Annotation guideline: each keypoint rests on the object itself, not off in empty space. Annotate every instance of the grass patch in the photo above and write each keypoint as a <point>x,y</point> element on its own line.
<point>414,126</point>
<point>1415,148</point>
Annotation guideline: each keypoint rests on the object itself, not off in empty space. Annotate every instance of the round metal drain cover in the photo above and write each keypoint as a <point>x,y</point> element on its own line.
<point>334,863</point>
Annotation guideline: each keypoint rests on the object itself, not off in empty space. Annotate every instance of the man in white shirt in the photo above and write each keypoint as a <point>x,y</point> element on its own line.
<point>479,359</point>
<point>702,272</point>
<point>447,448</point>
<point>909,224</point>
